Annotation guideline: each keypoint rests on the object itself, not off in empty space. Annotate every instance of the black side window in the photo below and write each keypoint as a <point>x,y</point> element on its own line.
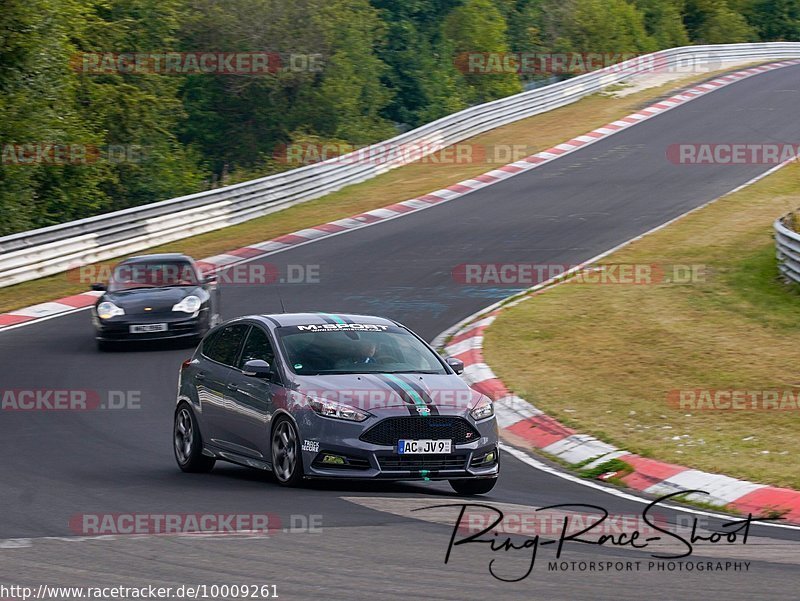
<point>257,346</point>
<point>208,342</point>
<point>224,346</point>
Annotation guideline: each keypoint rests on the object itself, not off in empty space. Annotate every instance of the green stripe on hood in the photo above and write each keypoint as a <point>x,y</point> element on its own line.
<point>420,404</point>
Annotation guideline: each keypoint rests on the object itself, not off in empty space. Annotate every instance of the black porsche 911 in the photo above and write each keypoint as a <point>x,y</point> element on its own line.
<point>153,297</point>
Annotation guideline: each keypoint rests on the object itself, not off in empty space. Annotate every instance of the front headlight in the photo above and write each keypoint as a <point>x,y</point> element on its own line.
<point>336,410</point>
<point>483,409</point>
<point>107,310</point>
<point>191,304</point>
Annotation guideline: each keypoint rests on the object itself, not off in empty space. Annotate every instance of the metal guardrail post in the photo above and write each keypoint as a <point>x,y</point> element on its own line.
<point>787,249</point>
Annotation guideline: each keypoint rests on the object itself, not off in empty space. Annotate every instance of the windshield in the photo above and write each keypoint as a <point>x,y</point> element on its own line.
<point>355,349</point>
<point>128,276</point>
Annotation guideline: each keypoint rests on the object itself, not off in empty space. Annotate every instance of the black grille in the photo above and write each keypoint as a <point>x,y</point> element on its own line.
<point>422,462</point>
<point>182,327</point>
<point>392,429</point>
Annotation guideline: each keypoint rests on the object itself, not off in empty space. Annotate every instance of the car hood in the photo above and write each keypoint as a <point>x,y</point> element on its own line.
<point>443,394</point>
<point>157,299</point>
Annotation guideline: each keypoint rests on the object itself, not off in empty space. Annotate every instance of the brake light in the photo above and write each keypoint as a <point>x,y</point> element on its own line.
<point>186,364</point>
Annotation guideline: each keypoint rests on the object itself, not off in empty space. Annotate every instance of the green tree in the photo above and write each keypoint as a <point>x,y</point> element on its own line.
<point>604,26</point>
<point>351,94</point>
<point>695,14</point>
<point>524,20</point>
<point>478,26</point>
<point>663,22</point>
<point>775,20</point>
<point>237,121</point>
<point>138,113</point>
<point>442,86</point>
<point>724,26</point>
<point>39,106</point>
<point>421,71</point>
<point>125,123</point>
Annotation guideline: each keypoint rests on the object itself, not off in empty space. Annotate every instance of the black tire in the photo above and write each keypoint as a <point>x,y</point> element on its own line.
<point>478,486</point>
<point>187,443</point>
<point>287,458</point>
<point>103,346</point>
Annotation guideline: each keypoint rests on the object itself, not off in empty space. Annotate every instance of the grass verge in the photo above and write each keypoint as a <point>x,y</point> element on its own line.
<point>608,359</point>
<point>536,133</point>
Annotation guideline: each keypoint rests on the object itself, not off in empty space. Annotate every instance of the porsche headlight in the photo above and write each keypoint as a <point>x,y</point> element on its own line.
<point>191,304</point>
<point>107,310</point>
<point>483,408</point>
<point>328,408</point>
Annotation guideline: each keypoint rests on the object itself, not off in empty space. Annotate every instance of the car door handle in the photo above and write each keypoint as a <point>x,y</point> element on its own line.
<point>200,375</point>
<point>231,387</point>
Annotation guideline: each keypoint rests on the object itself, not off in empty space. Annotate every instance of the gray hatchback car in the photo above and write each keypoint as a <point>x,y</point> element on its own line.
<point>317,395</point>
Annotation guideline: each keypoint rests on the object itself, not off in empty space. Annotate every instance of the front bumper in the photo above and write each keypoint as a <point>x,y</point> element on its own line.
<point>365,461</point>
<point>117,329</point>
<point>385,465</point>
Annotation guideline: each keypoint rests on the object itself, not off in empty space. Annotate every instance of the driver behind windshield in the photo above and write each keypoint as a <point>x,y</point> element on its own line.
<point>367,350</point>
<point>152,275</point>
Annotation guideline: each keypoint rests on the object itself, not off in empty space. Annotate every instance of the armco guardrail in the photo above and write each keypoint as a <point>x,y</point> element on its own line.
<point>787,245</point>
<point>38,253</point>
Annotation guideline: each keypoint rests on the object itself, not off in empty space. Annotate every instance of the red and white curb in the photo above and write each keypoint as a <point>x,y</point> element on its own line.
<point>519,418</point>
<point>73,303</point>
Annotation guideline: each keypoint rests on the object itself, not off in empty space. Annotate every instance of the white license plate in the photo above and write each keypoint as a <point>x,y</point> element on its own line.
<point>423,447</point>
<point>148,327</point>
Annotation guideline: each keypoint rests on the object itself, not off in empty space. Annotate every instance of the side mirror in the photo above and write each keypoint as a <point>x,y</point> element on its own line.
<point>457,365</point>
<point>210,278</point>
<point>99,287</point>
<point>256,368</point>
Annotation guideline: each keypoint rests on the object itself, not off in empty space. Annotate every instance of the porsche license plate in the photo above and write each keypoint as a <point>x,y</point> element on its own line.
<point>148,327</point>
